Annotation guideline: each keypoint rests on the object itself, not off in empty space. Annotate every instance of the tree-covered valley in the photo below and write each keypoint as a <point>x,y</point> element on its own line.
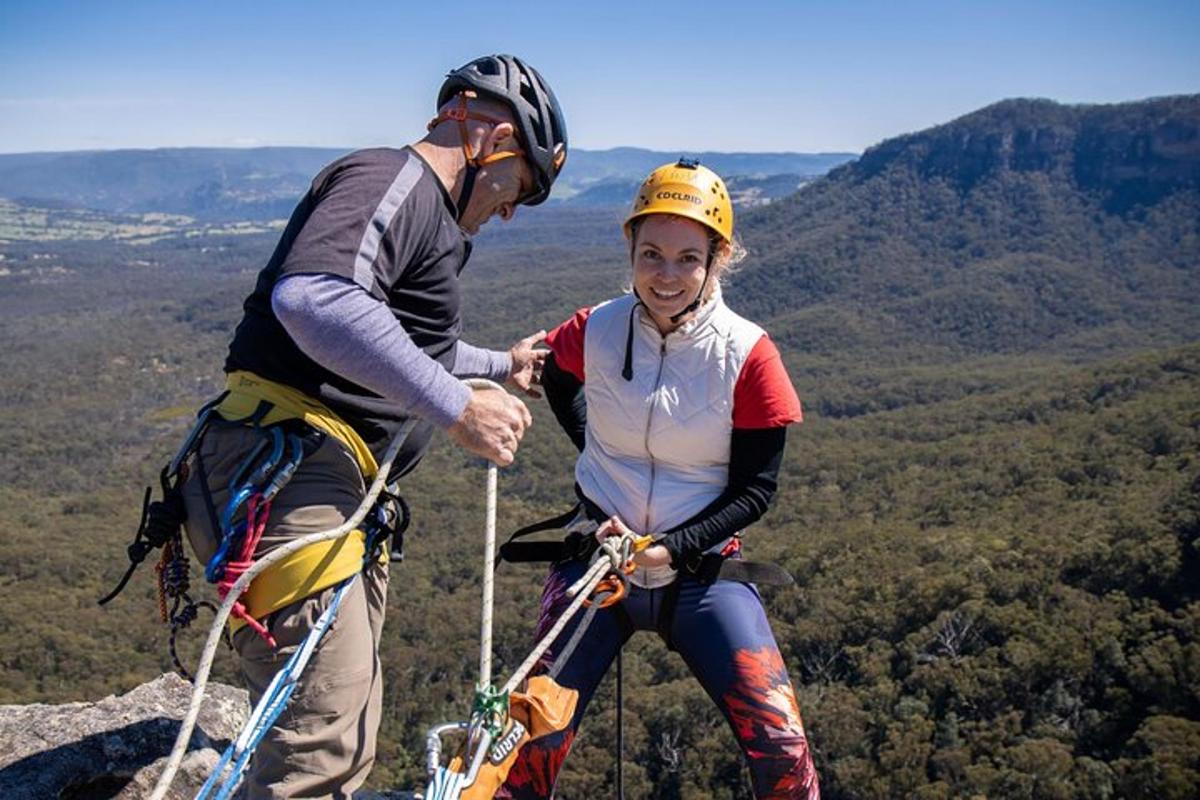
<point>992,508</point>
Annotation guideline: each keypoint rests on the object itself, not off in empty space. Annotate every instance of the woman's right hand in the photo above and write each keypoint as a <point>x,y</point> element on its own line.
<point>613,526</point>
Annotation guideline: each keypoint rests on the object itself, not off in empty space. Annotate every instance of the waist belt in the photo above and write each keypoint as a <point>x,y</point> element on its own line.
<point>706,568</point>
<point>319,565</point>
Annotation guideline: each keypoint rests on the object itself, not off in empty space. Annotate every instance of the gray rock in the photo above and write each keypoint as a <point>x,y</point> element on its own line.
<point>117,747</point>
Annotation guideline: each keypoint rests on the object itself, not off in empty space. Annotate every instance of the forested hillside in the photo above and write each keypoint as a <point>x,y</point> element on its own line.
<point>992,508</point>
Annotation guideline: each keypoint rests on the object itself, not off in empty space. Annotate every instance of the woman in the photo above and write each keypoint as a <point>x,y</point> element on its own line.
<point>680,409</point>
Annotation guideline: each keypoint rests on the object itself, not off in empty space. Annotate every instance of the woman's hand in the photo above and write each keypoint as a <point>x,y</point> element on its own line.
<point>527,364</point>
<point>653,556</point>
<point>613,526</point>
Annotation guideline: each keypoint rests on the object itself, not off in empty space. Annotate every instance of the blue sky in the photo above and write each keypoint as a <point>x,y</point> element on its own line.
<point>749,75</point>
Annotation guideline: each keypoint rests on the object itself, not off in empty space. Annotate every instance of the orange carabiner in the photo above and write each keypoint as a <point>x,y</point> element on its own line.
<point>614,586</point>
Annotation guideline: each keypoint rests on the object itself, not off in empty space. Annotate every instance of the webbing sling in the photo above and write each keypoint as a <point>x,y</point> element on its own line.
<point>555,550</point>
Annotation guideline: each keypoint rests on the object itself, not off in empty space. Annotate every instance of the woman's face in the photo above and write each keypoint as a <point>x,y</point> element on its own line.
<point>669,257</point>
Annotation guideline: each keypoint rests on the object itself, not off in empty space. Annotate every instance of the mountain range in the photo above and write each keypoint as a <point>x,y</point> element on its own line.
<point>224,184</point>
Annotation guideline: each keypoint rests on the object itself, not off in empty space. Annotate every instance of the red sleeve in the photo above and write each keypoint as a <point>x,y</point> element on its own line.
<point>763,396</point>
<point>566,341</point>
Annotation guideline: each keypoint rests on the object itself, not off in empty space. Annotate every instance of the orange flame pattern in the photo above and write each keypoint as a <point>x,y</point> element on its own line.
<point>765,717</point>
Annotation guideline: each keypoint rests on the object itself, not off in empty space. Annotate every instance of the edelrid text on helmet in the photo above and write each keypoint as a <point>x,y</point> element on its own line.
<point>536,113</point>
<point>687,198</point>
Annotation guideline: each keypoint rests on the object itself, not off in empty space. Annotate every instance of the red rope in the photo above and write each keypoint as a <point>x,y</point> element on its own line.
<point>256,523</point>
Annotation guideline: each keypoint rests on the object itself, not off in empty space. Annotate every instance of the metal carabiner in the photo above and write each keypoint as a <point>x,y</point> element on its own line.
<point>285,471</point>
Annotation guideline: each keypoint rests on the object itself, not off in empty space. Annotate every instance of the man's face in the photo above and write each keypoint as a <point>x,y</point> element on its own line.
<point>499,187</point>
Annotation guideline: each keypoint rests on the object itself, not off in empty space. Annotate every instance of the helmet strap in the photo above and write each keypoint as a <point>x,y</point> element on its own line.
<point>461,114</point>
<point>468,187</point>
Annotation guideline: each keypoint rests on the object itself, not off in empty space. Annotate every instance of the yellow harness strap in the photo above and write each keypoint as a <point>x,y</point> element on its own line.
<point>320,565</point>
<point>246,390</point>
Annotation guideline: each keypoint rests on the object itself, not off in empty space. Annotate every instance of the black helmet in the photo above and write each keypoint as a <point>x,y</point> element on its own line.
<point>535,110</point>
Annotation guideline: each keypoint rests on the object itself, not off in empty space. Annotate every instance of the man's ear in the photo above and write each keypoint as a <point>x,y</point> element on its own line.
<point>498,136</point>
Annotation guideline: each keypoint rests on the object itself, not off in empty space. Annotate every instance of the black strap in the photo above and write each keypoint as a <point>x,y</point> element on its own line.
<point>760,572</point>
<point>620,782</point>
<point>666,613</point>
<point>464,196</point>
<point>710,567</point>
<point>627,369</point>
<point>516,552</point>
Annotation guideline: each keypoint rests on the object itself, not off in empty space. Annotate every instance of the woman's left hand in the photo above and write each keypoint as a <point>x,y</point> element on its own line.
<point>653,556</point>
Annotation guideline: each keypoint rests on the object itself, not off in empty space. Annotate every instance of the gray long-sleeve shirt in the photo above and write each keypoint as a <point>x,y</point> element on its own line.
<point>339,325</point>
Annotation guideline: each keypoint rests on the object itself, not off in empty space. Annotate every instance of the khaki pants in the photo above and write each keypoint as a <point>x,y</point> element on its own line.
<point>323,744</point>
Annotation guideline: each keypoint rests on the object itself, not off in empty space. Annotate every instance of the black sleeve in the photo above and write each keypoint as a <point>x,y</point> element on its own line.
<point>754,460</point>
<point>564,392</point>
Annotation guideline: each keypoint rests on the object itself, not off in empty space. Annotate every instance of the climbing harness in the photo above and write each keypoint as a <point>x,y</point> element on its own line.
<point>381,525</point>
<point>580,544</point>
<point>280,689</point>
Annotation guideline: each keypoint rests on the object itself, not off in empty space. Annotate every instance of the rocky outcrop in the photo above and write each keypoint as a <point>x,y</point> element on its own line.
<point>117,747</point>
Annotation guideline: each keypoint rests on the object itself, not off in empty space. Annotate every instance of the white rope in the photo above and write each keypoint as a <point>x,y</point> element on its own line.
<point>489,580</point>
<point>489,558</point>
<point>613,556</point>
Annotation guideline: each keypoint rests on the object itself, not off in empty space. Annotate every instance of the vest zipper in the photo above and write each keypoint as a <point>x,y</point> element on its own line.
<point>662,357</point>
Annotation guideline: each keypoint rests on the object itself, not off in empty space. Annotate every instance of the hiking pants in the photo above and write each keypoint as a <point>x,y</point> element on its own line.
<point>323,744</point>
<point>722,633</point>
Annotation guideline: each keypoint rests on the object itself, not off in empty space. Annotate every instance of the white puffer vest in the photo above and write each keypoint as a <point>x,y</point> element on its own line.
<point>657,448</point>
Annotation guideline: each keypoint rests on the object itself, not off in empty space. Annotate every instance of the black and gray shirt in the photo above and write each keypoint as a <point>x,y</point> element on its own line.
<point>382,219</point>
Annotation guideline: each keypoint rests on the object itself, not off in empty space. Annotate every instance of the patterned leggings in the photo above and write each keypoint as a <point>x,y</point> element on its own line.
<point>722,633</point>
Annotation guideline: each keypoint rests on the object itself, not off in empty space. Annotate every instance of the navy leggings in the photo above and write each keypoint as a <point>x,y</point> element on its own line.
<point>722,633</point>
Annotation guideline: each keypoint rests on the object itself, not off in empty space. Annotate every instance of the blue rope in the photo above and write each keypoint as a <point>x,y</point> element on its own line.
<point>270,705</point>
<point>241,490</point>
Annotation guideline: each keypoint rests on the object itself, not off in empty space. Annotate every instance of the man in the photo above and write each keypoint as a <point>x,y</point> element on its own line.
<point>352,328</point>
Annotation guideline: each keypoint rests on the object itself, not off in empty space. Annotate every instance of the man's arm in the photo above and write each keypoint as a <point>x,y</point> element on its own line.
<point>479,362</point>
<point>520,366</point>
<point>336,323</point>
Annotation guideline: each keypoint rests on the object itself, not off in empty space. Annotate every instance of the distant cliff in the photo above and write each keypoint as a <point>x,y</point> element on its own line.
<point>1128,153</point>
<point>1024,225</point>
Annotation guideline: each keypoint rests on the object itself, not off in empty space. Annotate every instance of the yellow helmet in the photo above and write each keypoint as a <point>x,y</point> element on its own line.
<point>688,190</point>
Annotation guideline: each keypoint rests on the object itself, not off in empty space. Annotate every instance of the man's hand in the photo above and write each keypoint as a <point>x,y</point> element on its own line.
<point>491,425</point>
<point>527,364</point>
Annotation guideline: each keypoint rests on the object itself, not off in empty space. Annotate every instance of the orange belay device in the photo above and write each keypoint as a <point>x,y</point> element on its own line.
<point>503,720</point>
